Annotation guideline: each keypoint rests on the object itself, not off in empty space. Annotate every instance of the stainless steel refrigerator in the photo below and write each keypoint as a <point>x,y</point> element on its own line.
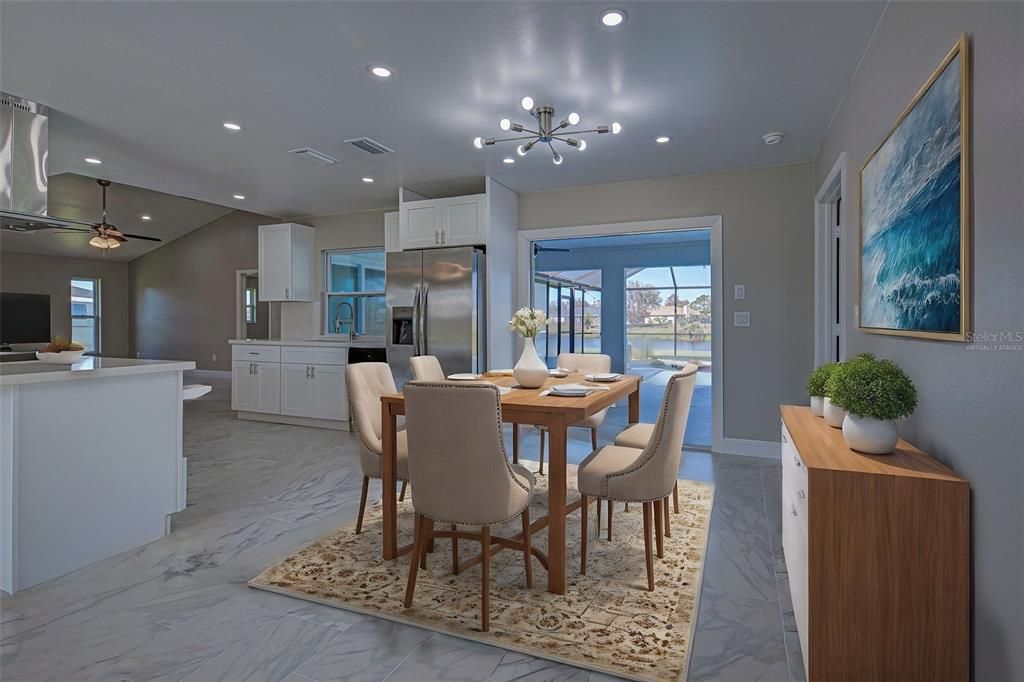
<point>436,304</point>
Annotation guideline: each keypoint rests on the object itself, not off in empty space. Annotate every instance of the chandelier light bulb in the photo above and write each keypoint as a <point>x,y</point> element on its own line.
<point>573,119</point>
<point>521,150</point>
<point>616,128</point>
<point>504,124</point>
<point>583,145</point>
<point>478,142</point>
<point>557,159</point>
<point>527,103</point>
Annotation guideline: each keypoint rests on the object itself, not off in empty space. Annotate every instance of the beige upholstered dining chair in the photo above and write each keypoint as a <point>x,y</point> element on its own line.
<point>465,481</point>
<point>426,368</point>
<point>366,383</point>
<point>643,475</point>
<point>581,362</point>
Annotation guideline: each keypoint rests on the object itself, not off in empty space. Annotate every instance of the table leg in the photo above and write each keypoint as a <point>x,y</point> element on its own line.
<point>634,405</point>
<point>556,506</point>
<point>388,464</point>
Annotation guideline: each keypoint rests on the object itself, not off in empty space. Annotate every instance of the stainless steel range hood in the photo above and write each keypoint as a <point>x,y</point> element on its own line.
<point>24,146</point>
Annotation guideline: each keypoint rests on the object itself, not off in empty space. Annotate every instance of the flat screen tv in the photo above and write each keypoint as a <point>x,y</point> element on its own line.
<point>24,318</point>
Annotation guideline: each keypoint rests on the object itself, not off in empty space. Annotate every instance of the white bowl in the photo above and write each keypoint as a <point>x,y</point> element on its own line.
<point>65,357</point>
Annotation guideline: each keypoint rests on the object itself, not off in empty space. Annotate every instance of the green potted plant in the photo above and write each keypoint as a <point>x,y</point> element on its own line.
<point>833,413</point>
<point>816,387</point>
<point>874,393</point>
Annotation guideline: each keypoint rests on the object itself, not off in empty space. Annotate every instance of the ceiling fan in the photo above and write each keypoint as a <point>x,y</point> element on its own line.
<point>104,235</point>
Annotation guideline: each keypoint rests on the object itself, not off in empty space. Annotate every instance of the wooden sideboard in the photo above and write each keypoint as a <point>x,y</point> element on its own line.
<point>878,554</point>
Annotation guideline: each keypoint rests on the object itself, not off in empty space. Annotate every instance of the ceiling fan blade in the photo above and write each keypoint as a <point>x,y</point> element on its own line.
<point>139,236</point>
<point>118,237</point>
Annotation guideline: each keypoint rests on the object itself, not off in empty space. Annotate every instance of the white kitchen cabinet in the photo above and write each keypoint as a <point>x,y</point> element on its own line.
<point>392,242</point>
<point>330,400</point>
<point>243,386</point>
<point>454,221</point>
<point>296,390</point>
<point>256,386</point>
<point>464,220</point>
<point>287,262</point>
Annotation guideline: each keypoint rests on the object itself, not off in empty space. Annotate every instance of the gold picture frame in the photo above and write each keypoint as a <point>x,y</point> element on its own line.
<point>961,50</point>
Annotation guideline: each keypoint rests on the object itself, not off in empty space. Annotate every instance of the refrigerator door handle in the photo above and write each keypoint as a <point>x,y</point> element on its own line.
<point>416,313</point>
<point>423,319</point>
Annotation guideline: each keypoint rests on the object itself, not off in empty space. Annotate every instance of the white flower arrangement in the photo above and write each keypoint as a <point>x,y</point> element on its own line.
<point>528,322</point>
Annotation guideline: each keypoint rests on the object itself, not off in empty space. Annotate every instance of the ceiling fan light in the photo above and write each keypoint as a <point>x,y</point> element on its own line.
<point>102,242</point>
<point>527,103</point>
<point>504,124</point>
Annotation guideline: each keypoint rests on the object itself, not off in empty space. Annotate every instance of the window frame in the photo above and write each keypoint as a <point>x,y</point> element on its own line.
<point>97,315</point>
<point>327,292</point>
<point>250,307</point>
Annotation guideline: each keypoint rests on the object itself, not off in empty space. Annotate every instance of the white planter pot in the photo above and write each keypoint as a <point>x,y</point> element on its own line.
<point>64,357</point>
<point>869,435</point>
<point>818,405</point>
<point>834,415</point>
<point>530,371</point>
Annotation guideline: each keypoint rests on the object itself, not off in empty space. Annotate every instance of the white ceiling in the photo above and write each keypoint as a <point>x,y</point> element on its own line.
<point>145,87</point>
<point>76,197</point>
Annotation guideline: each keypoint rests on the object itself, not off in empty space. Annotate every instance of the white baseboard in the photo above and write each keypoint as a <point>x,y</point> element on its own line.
<point>749,448</point>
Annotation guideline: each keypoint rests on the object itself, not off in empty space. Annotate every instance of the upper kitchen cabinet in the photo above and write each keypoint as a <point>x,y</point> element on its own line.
<point>287,262</point>
<point>453,221</point>
<point>391,240</point>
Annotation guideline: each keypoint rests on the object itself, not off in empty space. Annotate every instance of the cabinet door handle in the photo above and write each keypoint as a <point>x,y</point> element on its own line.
<point>437,236</point>
<point>801,494</point>
<point>792,509</point>
<point>784,439</point>
<point>312,372</point>
<point>442,237</point>
<point>286,293</point>
<point>255,368</point>
<point>796,461</point>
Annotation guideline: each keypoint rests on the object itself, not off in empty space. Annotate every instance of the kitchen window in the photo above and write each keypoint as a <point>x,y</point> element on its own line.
<point>85,314</point>
<point>354,300</point>
<point>250,306</point>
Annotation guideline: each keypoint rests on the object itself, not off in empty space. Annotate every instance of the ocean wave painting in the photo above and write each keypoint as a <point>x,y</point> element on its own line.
<point>912,277</point>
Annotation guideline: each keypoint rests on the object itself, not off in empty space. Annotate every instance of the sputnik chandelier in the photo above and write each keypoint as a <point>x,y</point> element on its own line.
<point>547,132</point>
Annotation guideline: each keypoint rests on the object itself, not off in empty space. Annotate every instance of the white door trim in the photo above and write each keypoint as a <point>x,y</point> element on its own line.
<point>831,189</point>
<point>713,223</point>
<point>240,276</point>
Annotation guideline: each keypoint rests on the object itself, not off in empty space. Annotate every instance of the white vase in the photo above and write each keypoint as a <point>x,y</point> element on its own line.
<point>818,406</point>
<point>869,435</point>
<point>833,414</point>
<point>530,371</point>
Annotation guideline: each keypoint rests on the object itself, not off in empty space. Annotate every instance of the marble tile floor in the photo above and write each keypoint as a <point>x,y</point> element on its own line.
<point>179,608</point>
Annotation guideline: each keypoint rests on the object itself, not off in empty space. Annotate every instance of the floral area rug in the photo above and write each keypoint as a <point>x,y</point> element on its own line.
<point>606,621</point>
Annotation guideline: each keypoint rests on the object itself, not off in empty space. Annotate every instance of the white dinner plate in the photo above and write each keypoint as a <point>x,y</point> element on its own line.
<point>558,373</point>
<point>463,377</point>
<point>604,377</point>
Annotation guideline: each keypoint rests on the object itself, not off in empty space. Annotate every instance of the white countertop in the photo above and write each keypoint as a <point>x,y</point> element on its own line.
<point>339,343</point>
<point>36,372</point>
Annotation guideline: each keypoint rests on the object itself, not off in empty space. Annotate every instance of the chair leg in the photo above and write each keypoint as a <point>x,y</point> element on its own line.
<point>542,434</point>
<point>455,553</point>
<point>527,557</point>
<point>419,543</point>
<point>584,514</point>
<point>658,529</point>
<point>610,507</point>
<point>593,438</point>
<point>515,442</point>
<point>675,498</point>
<point>362,504</point>
<point>597,531</point>
<point>485,578</point>
<point>647,546</point>
<point>668,525</point>
<point>428,540</point>
<point>401,493</point>
<point>626,507</point>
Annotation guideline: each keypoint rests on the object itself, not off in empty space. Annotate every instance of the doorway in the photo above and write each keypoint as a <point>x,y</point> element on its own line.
<point>829,268</point>
<point>645,296</point>
<point>252,316</point>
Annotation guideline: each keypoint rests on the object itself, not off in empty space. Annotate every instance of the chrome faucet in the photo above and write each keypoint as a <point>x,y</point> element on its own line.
<point>350,320</point>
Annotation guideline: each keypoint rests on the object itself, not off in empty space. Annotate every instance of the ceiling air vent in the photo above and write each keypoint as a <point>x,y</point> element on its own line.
<point>314,156</point>
<point>369,146</point>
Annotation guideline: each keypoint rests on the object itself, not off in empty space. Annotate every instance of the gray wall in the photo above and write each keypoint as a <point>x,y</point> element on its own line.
<point>183,294</point>
<point>767,230</point>
<point>37,274</point>
<point>970,412</point>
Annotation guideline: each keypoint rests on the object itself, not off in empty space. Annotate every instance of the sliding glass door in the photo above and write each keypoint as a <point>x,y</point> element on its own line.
<point>573,308</point>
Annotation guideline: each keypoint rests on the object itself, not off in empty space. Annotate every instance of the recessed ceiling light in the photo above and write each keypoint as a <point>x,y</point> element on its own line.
<point>240,197</point>
<point>93,160</point>
<point>613,17</point>
<point>772,138</point>
<point>145,217</point>
<point>662,139</point>
<point>232,126</point>
<point>367,180</point>
<point>509,160</point>
<point>380,71</point>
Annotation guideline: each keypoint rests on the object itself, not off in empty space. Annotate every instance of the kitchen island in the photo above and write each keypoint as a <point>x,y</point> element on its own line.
<point>91,462</point>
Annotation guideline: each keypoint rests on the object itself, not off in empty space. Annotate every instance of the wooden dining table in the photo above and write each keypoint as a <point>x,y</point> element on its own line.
<point>520,406</point>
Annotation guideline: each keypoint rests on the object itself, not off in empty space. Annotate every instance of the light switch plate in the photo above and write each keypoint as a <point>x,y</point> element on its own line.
<point>740,292</point>
<point>741,319</point>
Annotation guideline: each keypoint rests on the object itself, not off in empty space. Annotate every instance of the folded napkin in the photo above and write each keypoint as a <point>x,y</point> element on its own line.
<point>499,373</point>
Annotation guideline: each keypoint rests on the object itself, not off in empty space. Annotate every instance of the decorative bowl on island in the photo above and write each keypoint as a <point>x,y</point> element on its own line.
<point>61,352</point>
